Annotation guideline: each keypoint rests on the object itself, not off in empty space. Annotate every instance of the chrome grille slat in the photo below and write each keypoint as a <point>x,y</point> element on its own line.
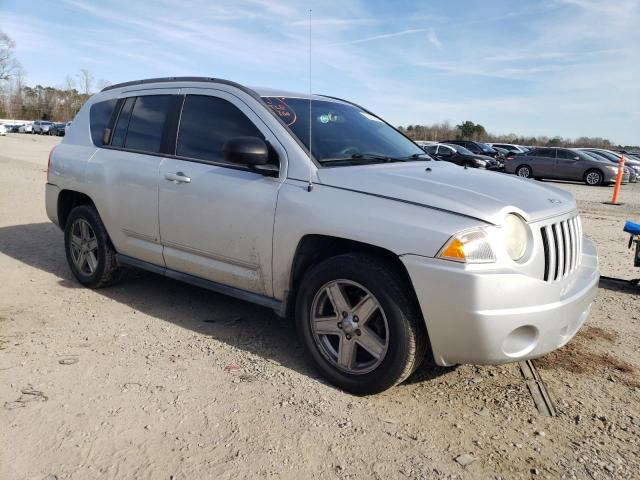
<point>562,243</point>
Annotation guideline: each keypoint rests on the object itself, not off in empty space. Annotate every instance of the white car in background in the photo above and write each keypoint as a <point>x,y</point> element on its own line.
<point>509,146</point>
<point>3,129</point>
<point>26,128</point>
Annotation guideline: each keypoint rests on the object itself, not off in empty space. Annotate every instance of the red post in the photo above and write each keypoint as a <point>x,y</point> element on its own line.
<point>616,189</point>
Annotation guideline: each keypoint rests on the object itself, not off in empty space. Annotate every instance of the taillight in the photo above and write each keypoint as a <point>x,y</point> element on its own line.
<point>49,163</point>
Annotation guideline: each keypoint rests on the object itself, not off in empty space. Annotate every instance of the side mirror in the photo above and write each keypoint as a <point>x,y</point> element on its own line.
<point>250,151</point>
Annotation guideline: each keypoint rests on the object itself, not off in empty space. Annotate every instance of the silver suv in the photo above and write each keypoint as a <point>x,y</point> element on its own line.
<point>320,210</point>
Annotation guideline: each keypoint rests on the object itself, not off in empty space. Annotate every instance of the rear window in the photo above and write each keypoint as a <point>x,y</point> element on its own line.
<point>120,130</point>
<point>99,117</point>
<point>147,123</point>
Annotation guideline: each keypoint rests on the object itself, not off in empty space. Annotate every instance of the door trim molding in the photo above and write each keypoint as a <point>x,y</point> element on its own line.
<point>256,298</point>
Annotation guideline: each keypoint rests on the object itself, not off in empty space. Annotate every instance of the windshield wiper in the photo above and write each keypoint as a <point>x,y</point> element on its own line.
<point>375,157</point>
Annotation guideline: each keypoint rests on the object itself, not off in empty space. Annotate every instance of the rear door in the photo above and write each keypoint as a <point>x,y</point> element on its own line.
<point>216,219</point>
<point>128,167</point>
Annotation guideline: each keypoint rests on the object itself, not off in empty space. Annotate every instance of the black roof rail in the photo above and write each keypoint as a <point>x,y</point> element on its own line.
<point>182,79</point>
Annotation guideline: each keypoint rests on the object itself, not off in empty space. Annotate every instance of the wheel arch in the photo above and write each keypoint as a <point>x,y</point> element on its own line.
<point>315,248</point>
<point>67,201</point>
<point>594,169</point>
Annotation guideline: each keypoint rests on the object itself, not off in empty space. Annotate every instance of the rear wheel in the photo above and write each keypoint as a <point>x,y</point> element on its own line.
<point>468,165</point>
<point>524,171</point>
<point>593,178</point>
<point>361,328</point>
<point>90,254</point>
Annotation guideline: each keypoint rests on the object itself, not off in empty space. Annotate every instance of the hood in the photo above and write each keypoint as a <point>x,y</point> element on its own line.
<point>471,192</point>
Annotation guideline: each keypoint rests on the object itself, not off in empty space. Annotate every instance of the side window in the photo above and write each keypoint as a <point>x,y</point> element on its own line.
<point>99,117</point>
<point>120,130</point>
<point>207,123</point>
<point>566,154</point>
<point>147,122</point>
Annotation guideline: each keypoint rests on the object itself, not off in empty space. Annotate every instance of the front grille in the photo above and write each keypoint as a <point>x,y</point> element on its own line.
<point>562,243</point>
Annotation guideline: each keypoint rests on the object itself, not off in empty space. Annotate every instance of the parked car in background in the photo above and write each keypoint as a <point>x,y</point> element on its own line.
<point>66,127</point>
<point>377,253</point>
<point>57,129</point>
<point>41,127</point>
<point>563,164</point>
<point>3,129</point>
<point>26,128</point>
<point>508,146</point>
<point>478,148</point>
<point>460,156</point>
<point>629,162</point>
<point>424,143</point>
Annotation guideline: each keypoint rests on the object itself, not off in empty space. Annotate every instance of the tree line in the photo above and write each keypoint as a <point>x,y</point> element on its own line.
<point>22,102</point>
<point>60,104</point>
<point>474,131</point>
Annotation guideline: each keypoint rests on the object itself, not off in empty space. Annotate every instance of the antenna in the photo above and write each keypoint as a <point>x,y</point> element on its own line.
<point>310,185</point>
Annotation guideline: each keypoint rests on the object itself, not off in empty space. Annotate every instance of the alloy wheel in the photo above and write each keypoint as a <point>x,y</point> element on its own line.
<point>349,327</point>
<point>593,178</point>
<point>84,247</point>
<point>524,172</point>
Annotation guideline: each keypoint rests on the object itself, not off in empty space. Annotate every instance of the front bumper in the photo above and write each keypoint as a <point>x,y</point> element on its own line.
<point>499,316</point>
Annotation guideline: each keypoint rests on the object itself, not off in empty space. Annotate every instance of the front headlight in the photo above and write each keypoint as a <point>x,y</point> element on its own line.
<point>515,236</point>
<point>468,247</point>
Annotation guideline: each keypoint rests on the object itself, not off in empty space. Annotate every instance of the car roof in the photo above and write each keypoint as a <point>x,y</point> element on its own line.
<point>253,91</point>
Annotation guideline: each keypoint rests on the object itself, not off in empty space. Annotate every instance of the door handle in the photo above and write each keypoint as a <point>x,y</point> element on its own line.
<point>177,177</point>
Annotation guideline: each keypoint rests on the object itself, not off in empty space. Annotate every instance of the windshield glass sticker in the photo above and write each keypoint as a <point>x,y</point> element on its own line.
<point>284,111</point>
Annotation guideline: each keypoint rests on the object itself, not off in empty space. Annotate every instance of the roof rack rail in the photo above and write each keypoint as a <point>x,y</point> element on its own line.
<point>181,79</point>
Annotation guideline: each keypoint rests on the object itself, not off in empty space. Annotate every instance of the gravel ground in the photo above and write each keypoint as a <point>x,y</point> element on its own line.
<point>157,379</point>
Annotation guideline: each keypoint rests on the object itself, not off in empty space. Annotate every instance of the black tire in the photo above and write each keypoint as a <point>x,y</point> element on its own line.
<point>593,177</point>
<point>524,171</point>
<point>107,271</point>
<point>468,165</point>
<point>407,336</point>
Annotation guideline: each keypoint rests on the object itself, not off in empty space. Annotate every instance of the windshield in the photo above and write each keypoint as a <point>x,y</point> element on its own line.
<point>486,148</point>
<point>341,131</point>
<point>608,155</point>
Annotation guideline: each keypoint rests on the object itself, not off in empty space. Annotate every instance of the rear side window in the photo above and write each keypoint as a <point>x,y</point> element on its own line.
<point>99,117</point>
<point>207,123</point>
<point>120,131</point>
<point>147,123</point>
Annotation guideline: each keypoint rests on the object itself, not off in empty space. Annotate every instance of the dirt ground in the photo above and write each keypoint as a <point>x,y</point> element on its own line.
<point>157,379</point>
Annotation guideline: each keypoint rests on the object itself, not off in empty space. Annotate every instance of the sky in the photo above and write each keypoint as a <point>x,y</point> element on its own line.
<point>549,67</point>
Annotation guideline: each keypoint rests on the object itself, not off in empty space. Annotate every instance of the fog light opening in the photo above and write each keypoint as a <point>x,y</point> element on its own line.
<point>520,341</point>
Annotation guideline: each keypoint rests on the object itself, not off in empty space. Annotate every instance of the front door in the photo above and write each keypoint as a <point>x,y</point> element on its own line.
<point>216,218</point>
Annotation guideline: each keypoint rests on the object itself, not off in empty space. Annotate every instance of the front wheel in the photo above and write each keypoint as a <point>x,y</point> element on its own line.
<point>358,323</point>
<point>90,254</point>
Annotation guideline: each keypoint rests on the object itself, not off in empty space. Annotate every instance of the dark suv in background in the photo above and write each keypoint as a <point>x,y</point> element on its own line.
<point>461,156</point>
<point>478,148</point>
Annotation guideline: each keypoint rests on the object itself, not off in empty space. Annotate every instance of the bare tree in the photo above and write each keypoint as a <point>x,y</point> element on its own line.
<point>85,79</point>
<point>9,66</point>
